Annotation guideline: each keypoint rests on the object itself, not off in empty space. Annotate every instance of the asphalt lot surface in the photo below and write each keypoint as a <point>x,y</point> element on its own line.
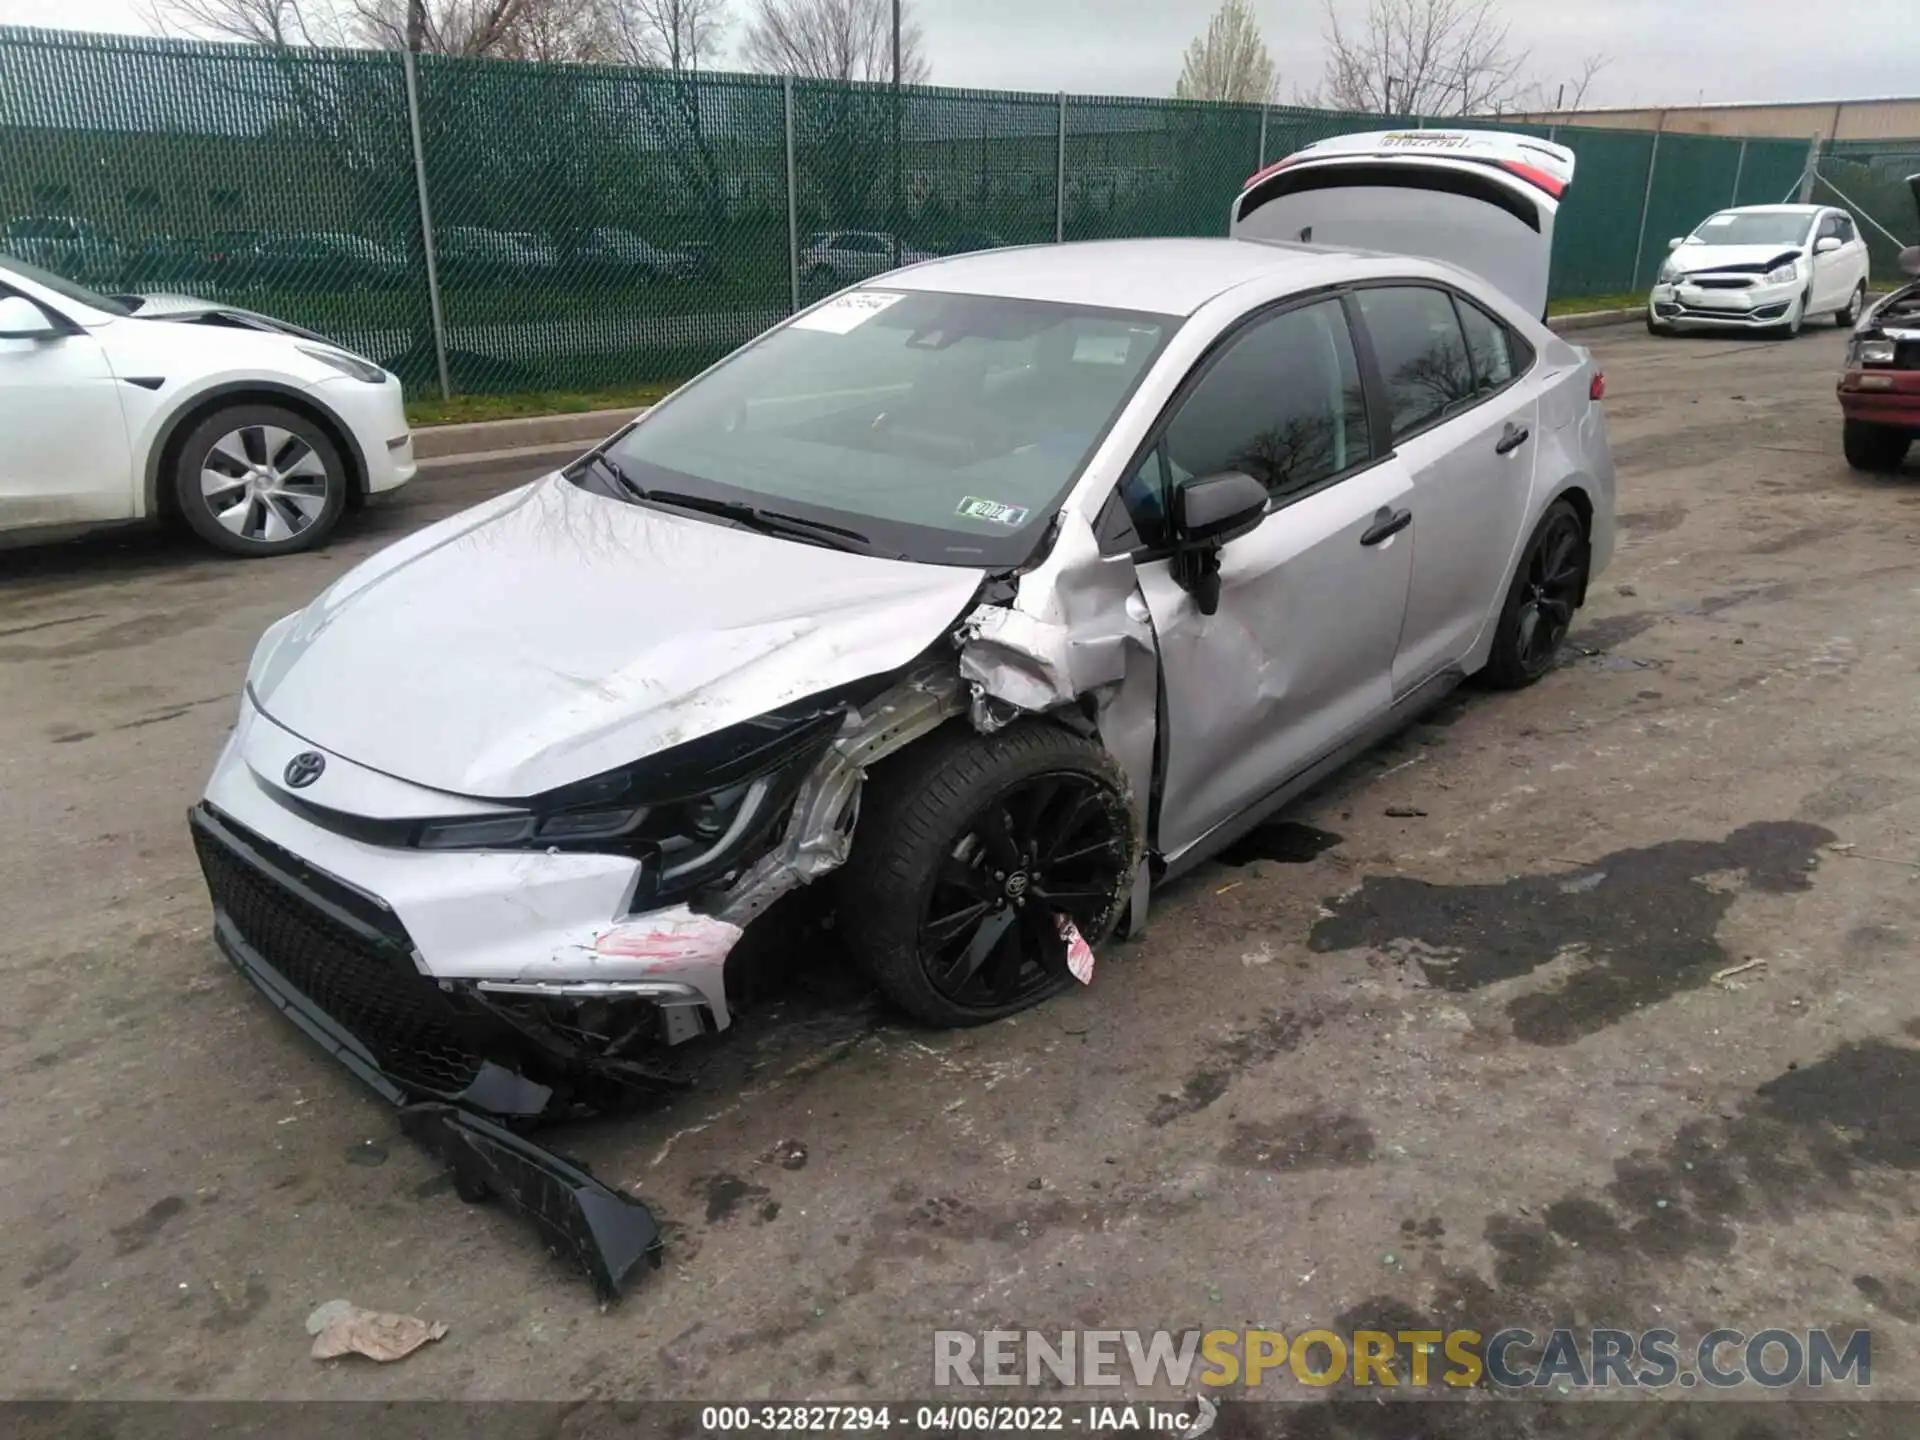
<point>1469,1065</point>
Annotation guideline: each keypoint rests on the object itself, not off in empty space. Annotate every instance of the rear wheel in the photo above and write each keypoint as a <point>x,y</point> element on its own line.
<point>1876,449</point>
<point>1547,589</point>
<point>969,851</point>
<point>260,480</point>
<point>1846,319</point>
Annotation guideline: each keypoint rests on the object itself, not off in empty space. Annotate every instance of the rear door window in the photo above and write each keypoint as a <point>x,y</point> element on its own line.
<point>1490,347</point>
<point>1422,353</point>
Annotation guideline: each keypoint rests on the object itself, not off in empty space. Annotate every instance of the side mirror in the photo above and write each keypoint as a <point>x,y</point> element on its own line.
<point>1213,509</point>
<point>1208,511</point>
<point>1910,260</point>
<point>1676,242</point>
<point>21,319</point>
<point>1826,244</point>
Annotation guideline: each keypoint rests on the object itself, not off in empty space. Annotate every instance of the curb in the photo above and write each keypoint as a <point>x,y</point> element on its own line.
<point>1594,319</point>
<point>485,437</point>
<point>534,438</point>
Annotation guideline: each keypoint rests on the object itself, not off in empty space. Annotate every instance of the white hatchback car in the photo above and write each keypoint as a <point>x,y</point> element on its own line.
<point>1762,267</point>
<point>256,433</point>
<point>838,257</point>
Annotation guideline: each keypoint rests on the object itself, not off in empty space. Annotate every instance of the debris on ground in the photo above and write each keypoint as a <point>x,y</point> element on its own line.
<point>1404,812</point>
<point>787,1154</point>
<point>1720,977</point>
<point>340,1327</point>
<point>1079,953</point>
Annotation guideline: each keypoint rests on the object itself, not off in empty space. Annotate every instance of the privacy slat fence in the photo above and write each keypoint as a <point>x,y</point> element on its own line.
<point>594,225</point>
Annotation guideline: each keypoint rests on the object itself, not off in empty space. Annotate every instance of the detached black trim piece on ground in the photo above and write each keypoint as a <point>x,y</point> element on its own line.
<point>607,1234</point>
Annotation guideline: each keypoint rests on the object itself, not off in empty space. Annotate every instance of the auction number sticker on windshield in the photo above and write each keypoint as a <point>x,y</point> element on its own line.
<point>992,511</point>
<point>846,312</point>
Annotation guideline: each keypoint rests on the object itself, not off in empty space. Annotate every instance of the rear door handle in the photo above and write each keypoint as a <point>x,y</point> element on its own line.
<point>1511,439</point>
<point>1387,522</point>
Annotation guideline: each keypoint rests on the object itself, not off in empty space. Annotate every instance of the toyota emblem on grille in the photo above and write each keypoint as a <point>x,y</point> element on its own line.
<point>305,768</point>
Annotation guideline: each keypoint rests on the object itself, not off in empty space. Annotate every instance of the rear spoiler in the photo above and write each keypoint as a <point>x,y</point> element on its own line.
<point>1550,185</point>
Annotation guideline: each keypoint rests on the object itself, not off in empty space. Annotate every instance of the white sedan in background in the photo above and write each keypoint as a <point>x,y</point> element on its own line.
<point>1762,267</point>
<point>256,433</point>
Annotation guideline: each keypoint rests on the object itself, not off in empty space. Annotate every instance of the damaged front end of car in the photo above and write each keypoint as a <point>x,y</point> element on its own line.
<point>391,940</point>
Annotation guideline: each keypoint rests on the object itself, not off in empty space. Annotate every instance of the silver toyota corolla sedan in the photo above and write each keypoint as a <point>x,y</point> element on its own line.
<point>988,593</point>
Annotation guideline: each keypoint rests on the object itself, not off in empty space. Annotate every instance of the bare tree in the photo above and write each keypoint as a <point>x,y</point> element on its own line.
<point>833,40</point>
<point>676,35</point>
<point>1565,97</point>
<point>277,24</point>
<point>1230,61</point>
<point>1422,57</point>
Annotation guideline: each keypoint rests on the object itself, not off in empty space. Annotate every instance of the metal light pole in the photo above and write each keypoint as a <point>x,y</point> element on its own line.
<point>898,212</point>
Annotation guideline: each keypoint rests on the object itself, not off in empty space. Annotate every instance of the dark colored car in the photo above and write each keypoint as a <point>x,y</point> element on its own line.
<point>1880,391</point>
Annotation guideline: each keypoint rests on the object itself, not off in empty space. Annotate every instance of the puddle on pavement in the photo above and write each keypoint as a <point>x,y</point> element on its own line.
<point>1286,841</point>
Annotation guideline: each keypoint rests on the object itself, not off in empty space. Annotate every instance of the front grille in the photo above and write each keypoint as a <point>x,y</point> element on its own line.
<point>1721,283</point>
<point>1906,355</point>
<point>368,986</point>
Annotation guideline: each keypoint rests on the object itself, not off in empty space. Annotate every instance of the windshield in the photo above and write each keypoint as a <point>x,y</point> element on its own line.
<point>66,289</point>
<point>1763,228</point>
<point>944,428</point>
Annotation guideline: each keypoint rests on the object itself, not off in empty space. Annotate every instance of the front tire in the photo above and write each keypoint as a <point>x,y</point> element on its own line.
<point>1876,449</point>
<point>1655,327</point>
<point>967,848</point>
<point>1846,319</point>
<point>1796,321</point>
<point>260,480</point>
<point>1547,589</point>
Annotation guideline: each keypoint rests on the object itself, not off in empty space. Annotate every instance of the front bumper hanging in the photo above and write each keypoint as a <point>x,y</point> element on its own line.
<point>447,1099</point>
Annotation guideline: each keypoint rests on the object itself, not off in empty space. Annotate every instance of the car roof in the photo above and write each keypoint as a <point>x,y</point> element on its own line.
<point>1773,209</point>
<point>1163,277</point>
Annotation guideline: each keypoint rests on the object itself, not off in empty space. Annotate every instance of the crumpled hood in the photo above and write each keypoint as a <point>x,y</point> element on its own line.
<point>187,309</point>
<point>552,634</point>
<point>1693,259</point>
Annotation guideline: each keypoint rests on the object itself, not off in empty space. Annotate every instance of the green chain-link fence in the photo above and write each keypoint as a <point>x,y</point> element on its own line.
<point>596,226</point>
<point>1869,177</point>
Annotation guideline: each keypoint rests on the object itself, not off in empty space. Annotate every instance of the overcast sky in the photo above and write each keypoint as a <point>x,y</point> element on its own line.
<point>1659,50</point>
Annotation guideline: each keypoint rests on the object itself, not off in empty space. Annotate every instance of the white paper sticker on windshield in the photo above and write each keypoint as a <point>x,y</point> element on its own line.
<point>1713,220</point>
<point>992,511</point>
<point>1102,349</point>
<point>845,312</point>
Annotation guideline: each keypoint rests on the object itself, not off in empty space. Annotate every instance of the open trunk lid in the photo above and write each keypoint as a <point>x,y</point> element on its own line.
<point>1480,199</point>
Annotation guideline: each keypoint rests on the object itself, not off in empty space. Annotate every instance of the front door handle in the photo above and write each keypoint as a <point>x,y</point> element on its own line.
<point>1387,522</point>
<point>1511,439</point>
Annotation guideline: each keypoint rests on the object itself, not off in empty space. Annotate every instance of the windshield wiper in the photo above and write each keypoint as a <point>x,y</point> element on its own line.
<point>767,522</point>
<point>611,468</point>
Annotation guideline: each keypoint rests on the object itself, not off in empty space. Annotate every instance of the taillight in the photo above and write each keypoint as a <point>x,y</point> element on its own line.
<point>1535,176</point>
<point>1278,165</point>
<point>1598,389</point>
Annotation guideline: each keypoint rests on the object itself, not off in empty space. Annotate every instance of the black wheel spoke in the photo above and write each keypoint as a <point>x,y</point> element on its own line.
<point>996,832</point>
<point>1061,859</point>
<point>966,879</point>
<point>1068,896</point>
<point>993,930</point>
<point>942,930</point>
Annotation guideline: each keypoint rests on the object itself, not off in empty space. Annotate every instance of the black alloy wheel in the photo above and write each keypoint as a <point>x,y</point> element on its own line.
<point>1047,847</point>
<point>1546,591</point>
<point>969,851</point>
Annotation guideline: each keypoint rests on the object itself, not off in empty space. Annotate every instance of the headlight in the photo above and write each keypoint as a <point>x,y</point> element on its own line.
<point>1783,274</point>
<point>1872,352</point>
<point>364,370</point>
<point>691,815</point>
<point>1669,272</point>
